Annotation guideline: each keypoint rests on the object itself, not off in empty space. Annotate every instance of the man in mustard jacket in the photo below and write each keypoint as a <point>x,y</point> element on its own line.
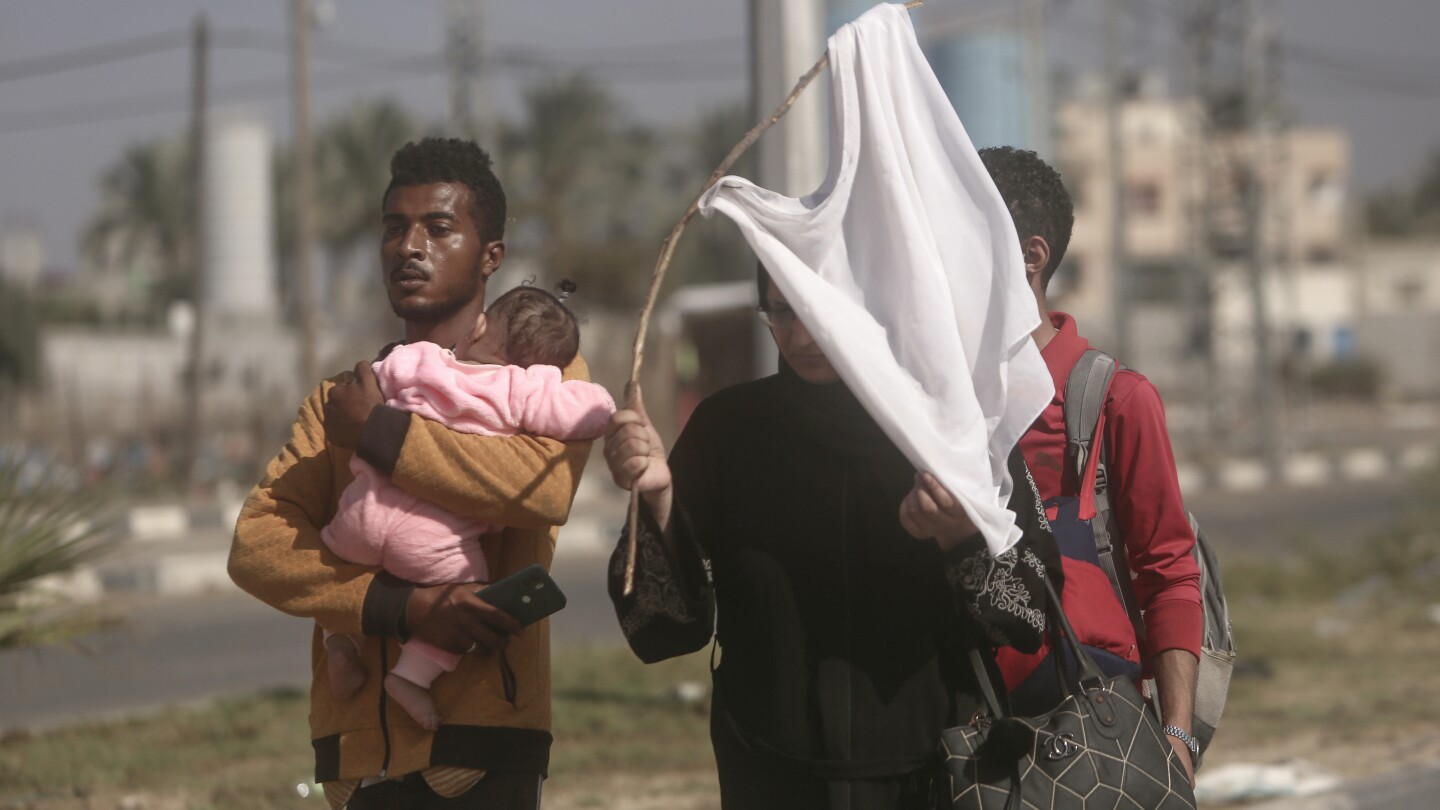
<point>443,225</point>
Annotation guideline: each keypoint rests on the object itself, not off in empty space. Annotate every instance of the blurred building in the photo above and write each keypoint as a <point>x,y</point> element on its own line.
<point>1398,323</point>
<point>1187,236</point>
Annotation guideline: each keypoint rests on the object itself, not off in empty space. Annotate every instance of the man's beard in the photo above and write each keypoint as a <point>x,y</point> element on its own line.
<point>432,312</point>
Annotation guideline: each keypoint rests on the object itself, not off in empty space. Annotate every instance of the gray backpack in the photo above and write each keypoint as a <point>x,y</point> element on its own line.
<point>1085,392</point>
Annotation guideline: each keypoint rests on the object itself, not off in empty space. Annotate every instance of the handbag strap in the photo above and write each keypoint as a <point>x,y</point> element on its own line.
<point>987,688</point>
<point>1091,677</point>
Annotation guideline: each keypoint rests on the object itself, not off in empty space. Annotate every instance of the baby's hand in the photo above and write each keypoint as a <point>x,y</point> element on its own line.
<point>349,406</point>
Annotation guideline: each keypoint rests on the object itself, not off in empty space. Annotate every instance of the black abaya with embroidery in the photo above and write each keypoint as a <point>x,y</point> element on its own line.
<point>842,638</point>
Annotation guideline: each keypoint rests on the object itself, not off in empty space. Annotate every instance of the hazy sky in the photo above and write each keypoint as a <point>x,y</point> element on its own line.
<point>1369,67</point>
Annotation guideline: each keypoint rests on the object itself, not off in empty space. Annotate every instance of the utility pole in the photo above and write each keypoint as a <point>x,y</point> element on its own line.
<point>1258,112</point>
<point>786,37</point>
<point>470,113</point>
<point>304,194</point>
<point>195,365</point>
<point>1037,82</point>
<point>1119,261</point>
<point>1198,32</point>
<point>1292,395</point>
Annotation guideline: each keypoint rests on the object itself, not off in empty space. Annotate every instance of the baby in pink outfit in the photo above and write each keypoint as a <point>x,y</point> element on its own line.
<point>502,380</point>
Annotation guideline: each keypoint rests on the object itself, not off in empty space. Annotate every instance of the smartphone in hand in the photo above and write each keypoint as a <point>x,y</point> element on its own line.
<point>528,594</point>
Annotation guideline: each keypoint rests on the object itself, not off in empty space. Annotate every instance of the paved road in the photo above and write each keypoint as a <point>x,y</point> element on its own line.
<point>1273,521</point>
<point>168,651</point>
<point>180,650</point>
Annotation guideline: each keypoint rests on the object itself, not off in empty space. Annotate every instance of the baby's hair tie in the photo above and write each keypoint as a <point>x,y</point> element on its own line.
<point>565,287</point>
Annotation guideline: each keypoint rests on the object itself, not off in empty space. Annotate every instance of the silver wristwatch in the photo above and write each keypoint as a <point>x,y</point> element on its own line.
<point>1183,736</point>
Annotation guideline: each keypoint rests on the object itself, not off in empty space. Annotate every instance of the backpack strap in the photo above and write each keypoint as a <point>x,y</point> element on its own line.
<point>1086,388</point>
<point>1085,391</point>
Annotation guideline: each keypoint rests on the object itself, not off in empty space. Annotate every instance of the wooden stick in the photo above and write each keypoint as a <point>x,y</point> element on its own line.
<point>662,264</point>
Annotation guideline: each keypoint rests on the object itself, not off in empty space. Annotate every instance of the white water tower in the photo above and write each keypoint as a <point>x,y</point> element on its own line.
<point>239,223</point>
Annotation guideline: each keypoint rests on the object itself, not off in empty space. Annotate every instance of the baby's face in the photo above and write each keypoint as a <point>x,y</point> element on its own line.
<point>490,346</point>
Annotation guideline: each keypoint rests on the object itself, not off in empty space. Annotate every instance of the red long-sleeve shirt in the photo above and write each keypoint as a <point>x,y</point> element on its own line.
<point>1149,514</point>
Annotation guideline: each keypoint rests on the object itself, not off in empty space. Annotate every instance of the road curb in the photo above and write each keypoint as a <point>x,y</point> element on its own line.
<point>1309,469</point>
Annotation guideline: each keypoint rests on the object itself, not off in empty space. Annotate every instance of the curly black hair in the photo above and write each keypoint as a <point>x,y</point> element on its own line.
<point>452,160</point>
<point>1036,197</point>
<point>539,328</point>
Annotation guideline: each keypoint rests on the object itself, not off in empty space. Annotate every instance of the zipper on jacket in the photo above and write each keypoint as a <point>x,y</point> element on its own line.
<point>845,527</point>
<point>508,680</point>
<point>384,720</point>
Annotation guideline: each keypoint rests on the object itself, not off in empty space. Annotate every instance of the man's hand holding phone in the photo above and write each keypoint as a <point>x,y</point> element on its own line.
<point>461,618</point>
<point>528,595</point>
<point>454,618</point>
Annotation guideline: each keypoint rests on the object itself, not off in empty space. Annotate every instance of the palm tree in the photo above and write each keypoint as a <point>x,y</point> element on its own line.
<point>352,156</point>
<point>713,249</point>
<point>353,166</point>
<point>147,216</point>
<point>581,176</point>
<point>48,525</point>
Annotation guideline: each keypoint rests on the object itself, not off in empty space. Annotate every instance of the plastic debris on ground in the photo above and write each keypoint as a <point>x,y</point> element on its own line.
<point>1246,782</point>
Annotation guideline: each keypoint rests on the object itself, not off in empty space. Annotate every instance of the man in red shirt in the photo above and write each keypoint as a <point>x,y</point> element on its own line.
<point>1144,492</point>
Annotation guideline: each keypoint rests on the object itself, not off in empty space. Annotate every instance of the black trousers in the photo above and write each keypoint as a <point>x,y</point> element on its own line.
<point>499,790</point>
<point>751,781</point>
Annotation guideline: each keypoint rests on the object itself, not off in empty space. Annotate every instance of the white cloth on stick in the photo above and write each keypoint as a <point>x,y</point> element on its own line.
<point>905,267</point>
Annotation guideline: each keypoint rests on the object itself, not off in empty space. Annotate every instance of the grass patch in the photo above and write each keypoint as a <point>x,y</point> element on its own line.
<point>1338,650</point>
<point>614,713</point>
<point>1353,688</point>
<point>617,723</point>
<point>236,746</point>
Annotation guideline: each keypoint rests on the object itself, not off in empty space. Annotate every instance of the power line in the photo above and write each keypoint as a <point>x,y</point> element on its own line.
<point>1399,74</point>
<point>669,55</point>
<point>272,87</point>
<point>269,88</point>
<point>94,55</point>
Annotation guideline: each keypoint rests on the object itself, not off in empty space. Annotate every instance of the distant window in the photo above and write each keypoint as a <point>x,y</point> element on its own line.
<point>1409,292</point>
<point>1068,276</point>
<point>1077,183</point>
<point>1155,282</point>
<point>1146,133</point>
<point>1142,198</point>
<point>1324,192</point>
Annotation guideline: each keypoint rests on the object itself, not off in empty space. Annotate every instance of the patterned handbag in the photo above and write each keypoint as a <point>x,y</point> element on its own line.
<point>1098,748</point>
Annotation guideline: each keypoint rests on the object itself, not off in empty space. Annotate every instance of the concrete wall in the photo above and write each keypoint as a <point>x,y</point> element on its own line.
<point>1407,348</point>
<point>108,382</point>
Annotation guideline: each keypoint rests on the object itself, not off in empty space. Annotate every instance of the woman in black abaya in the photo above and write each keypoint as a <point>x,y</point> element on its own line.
<point>846,590</point>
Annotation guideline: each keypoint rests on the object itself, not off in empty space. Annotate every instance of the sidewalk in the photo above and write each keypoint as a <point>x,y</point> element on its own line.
<point>170,550</point>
